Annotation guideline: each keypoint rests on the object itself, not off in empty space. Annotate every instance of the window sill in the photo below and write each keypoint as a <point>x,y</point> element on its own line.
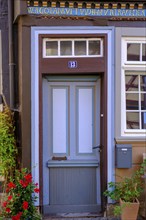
<point>132,132</point>
<point>130,140</point>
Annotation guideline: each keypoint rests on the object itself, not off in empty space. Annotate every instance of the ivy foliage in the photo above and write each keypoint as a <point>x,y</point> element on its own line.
<point>8,148</point>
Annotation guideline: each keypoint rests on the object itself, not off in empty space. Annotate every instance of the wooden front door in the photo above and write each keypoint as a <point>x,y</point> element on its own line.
<point>71,132</point>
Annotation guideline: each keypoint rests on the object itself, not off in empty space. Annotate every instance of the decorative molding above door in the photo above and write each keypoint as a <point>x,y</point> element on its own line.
<point>88,4</point>
<point>88,9</point>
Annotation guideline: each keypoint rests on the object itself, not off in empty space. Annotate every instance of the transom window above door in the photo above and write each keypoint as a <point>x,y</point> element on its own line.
<point>76,47</point>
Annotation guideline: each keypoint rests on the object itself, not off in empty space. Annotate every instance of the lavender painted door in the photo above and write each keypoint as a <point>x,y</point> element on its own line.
<point>71,128</point>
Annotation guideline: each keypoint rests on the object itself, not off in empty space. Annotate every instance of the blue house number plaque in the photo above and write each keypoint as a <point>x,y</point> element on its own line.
<point>72,64</point>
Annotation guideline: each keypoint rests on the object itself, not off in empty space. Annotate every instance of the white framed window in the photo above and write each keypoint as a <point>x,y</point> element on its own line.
<point>134,51</point>
<point>133,89</point>
<point>72,47</point>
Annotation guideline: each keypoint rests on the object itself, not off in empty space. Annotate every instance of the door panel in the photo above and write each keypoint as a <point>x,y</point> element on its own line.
<point>85,127</point>
<point>71,189</point>
<point>71,122</point>
<point>59,119</point>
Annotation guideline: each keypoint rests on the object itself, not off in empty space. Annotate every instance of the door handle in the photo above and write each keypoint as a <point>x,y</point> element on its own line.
<point>98,147</point>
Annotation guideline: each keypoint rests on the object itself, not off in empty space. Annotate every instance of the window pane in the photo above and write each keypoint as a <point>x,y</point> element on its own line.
<point>94,47</point>
<point>143,101</point>
<point>133,52</point>
<point>131,82</point>
<point>143,83</point>
<point>51,48</point>
<point>143,52</point>
<point>80,48</point>
<point>132,120</point>
<point>65,48</point>
<point>143,120</point>
<point>132,101</point>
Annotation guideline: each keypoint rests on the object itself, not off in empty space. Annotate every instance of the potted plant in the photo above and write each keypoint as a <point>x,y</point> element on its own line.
<point>127,192</point>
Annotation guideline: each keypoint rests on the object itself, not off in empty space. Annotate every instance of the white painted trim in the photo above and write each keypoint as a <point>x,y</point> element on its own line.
<point>137,40</point>
<point>110,108</point>
<point>34,108</point>
<point>35,31</point>
<point>130,66</point>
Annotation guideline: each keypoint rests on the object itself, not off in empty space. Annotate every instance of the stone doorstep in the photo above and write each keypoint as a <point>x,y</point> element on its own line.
<point>83,218</point>
<point>72,216</point>
<point>78,216</point>
<point>108,215</point>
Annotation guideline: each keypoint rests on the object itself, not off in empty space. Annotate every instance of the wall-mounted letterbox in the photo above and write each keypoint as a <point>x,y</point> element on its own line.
<point>123,155</point>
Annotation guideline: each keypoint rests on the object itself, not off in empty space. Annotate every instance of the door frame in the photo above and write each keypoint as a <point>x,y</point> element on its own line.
<point>107,107</point>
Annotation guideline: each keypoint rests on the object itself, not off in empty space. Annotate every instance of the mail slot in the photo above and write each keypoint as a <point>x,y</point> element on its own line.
<point>123,155</point>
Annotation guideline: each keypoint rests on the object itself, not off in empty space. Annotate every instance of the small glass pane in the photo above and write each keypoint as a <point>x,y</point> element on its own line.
<point>143,83</point>
<point>133,52</point>
<point>80,48</point>
<point>94,47</point>
<point>51,48</point>
<point>131,82</point>
<point>65,48</point>
<point>143,52</point>
<point>143,120</point>
<point>143,101</point>
<point>132,120</point>
<point>132,101</point>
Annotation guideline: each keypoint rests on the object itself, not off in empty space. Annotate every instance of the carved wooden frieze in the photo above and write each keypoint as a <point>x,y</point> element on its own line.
<point>89,4</point>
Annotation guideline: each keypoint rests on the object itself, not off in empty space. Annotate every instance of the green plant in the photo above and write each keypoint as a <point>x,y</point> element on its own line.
<point>128,189</point>
<point>8,149</point>
<point>21,195</point>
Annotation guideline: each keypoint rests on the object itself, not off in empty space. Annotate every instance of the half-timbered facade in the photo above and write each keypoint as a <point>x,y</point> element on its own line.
<point>81,94</point>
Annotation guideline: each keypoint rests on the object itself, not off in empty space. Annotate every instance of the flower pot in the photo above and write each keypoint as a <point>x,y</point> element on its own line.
<point>129,210</point>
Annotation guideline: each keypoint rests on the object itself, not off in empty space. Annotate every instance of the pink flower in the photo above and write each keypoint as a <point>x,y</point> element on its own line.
<point>7,190</point>
<point>24,184</point>
<point>4,204</point>
<point>8,210</point>
<point>11,185</point>
<point>10,197</point>
<point>28,178</point>
<point>36,190</point>
<point>17,217</point>
<point>25,205</point>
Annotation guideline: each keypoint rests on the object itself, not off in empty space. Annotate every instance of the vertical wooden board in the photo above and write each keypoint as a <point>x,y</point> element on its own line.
<point>72,186</point>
